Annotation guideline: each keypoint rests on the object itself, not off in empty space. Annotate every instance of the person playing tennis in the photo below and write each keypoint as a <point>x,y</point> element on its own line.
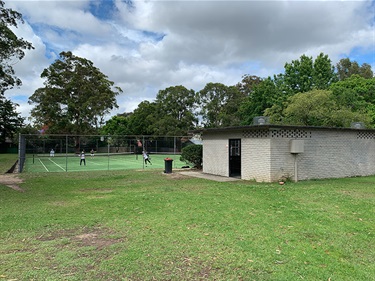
<point>83,160</point>
<point>146,158</point>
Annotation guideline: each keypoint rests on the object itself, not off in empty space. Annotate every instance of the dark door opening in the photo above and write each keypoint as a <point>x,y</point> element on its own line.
<point>235,158</point>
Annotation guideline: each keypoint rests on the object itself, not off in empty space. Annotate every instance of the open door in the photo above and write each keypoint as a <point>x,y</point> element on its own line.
<point>235,158</point>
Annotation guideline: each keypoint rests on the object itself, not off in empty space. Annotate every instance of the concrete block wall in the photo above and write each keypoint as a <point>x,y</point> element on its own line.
<point>282,161</point>
<point>256,159</point>
<point>327,154</point>
<point>215,155</point>
<point>266,157</point>
<point>336,154</point>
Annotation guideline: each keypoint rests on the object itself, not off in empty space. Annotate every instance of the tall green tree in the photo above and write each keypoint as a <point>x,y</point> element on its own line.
<point>248,84</point>
<point>323,72</point>
<point>10,120</point>
<point>306,74</point>
<point>175,111</point>
<point>346,68</point>
<point>300,76</point>
<point>262,96</point>
<point>75,98</point>
<point>362,87</point>
<point>117,125</point>
<point>357,93</point>
<point>143,118</point>
<point>320,108</point>
<point>219,105</point>
<point>11,48</point>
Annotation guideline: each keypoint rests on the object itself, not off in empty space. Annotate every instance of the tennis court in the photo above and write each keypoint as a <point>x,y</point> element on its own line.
<point>60,153</point>
<point>113,161</point>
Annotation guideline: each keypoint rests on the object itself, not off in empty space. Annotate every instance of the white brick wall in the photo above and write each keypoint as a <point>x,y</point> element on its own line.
<point>216,153</point>
<point>255,159</point>
<point>266,157</point>
<point>330,154</point>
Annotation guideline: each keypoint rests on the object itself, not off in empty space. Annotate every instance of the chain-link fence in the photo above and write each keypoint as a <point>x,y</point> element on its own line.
<point>57,153</point>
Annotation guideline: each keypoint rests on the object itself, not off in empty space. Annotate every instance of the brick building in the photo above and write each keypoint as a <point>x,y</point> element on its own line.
<point>267,153</point>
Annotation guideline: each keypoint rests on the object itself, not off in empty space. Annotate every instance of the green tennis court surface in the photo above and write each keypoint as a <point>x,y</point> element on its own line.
<point>71,163</point>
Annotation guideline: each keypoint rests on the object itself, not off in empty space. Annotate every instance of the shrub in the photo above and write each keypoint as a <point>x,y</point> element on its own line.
<point>192,154</point>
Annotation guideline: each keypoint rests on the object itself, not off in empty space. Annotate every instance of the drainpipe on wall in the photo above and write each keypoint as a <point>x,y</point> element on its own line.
<point>296,147</point>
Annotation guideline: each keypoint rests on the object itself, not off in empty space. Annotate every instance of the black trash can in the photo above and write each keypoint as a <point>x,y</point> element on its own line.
<point>168,165</point>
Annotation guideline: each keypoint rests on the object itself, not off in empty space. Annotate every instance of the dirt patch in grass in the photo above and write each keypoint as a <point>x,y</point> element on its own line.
<point>176,176</point>
<point>100,190</point>
<point>96,237</point>
<point>357,194</point>
<point>188,268</point>
<point>11,181</point>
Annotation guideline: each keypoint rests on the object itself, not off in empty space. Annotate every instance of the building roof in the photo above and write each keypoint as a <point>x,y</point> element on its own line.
<point>278,127</point>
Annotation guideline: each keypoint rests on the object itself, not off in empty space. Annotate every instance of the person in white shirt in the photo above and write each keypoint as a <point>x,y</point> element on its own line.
<point>83,160</point>
<point>146,158</point>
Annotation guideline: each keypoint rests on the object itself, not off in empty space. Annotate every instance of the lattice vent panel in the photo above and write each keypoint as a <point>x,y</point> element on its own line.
<point>256,134</point>
<point>290,134</point>
<point>365,135</point>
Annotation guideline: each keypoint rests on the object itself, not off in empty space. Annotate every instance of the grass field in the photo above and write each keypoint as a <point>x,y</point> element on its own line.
<point>147,225</point>
<point>71,162</point>
<point>7,161</point>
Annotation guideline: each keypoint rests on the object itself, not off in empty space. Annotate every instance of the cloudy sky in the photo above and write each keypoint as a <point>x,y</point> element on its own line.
<point>148,45</point>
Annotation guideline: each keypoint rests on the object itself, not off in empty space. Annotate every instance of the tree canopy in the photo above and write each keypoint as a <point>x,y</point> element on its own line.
<point>75,98</point>
<point>175,111</point>
<point>11,48</point>
<point>10,121</point>
<point>305,74</point>
<point>219,105</point>
<point>310,92</point>
<point>320,108</point>
<point>346,68</point>
<point>141,121</point>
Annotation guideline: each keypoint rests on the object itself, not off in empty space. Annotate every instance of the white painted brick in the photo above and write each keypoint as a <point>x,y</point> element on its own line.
<point>327,154</point>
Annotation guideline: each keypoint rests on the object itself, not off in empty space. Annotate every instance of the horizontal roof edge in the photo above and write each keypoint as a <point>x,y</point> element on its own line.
<point>270,127</point>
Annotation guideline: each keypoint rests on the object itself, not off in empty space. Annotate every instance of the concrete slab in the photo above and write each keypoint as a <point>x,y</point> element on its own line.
<point>207,176</point>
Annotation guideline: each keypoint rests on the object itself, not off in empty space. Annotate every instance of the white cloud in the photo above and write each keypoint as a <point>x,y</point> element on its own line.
<point>150,45</point>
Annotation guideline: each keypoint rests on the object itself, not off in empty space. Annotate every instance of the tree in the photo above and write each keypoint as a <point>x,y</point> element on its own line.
<point>304,75</point>
<point>10,121</point>
<point>142,120</point>
<point>320,108</point>
<point>357,93</point>
<point>219,105</point>
<point>298,74</point>
<point>346,68</point>
<point>248,84</point>
<point>75,98</point>
<point>175,108</point>
<point>11,48</point>
<point>264,95</point>
<point>117,125</point>
<point>323,72</point>
<point>193,154</point>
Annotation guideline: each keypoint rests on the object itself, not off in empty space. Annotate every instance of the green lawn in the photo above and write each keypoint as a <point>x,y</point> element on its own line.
<point>7,161</point>
<point>147,225</point>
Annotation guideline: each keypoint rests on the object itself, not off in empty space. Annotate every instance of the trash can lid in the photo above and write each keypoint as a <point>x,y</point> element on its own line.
<point>168,159</point>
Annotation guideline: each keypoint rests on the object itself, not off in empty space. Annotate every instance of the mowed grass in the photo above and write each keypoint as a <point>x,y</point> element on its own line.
<point>147,225</point>
<point>7,161</point>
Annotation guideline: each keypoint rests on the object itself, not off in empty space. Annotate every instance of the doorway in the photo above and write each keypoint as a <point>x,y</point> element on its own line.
<point>235,158</point>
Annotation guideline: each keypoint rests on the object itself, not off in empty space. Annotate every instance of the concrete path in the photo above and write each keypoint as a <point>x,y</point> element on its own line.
<point>207,176</point>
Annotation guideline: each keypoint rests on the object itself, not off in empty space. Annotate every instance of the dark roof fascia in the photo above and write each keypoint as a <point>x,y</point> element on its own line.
<point>276,127</point>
